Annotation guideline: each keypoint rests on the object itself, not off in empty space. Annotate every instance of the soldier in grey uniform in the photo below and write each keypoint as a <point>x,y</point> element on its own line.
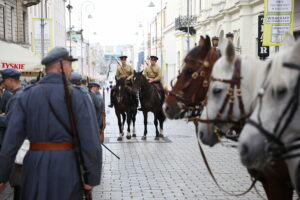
<point>50,169</point>
<point>215,44</point>
<point>11,80</point>
<point>99,106</point>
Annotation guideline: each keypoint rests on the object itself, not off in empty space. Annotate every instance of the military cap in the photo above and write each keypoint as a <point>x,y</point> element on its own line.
<point>229,34</point>
<point>94,84</point>
<point>57,54</point>
<point>76,77</point>
<point>215,38</point>
<point>11,73</point>
<point>153,58</point>
<point>122,57</point>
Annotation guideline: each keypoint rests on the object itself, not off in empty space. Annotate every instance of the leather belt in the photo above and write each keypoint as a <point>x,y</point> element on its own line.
<point>40,146</point>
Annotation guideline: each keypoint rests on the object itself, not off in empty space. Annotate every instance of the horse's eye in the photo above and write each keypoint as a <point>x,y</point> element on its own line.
<point>188,72</point>
<point>279,92</point>
<point>217,91</point>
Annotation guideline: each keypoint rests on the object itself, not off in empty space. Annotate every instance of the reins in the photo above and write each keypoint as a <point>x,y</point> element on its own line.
<point>254,180</point>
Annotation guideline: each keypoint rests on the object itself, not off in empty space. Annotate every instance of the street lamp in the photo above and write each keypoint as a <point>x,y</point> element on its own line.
<point>151,5</point>
<point>88,3</point>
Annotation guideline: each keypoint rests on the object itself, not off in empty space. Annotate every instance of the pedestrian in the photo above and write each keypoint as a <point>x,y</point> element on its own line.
<point>11,80</point>
<point>99,107</point>
<point>61,125</point>
<point>4,99</point>
<point>230,36</point>
<point>215,44</point>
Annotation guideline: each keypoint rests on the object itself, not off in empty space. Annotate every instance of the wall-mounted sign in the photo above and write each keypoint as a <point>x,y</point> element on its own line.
<point>263,51</point>
<point>279,20</point>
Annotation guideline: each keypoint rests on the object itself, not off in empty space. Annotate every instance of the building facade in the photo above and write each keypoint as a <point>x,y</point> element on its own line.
<point>14,22</point>
<point>207,17</point>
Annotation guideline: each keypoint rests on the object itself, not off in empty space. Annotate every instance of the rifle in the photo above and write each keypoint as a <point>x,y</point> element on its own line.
<point>146,62</point>
<point>79,158</point>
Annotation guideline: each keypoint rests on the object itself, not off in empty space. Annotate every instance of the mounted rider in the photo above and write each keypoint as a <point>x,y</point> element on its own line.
<point>123,71</point>
<point>154,76</point>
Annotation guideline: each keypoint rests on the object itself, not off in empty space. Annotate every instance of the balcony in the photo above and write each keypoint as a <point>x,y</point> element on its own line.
<point>28,3</point>
<point>182,22</point>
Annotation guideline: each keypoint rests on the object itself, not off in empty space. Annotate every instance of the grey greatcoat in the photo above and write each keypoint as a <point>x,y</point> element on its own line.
<point>51,175</point>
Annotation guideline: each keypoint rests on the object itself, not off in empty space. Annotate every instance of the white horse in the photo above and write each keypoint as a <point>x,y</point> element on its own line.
<point>224,69</point>
<point>275,122</point>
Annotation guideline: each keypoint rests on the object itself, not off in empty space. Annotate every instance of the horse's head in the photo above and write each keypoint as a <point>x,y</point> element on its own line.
<point>192,83</point>
<point>137,81</point>
<point>232,88</point>
<point>274,127</point>
<point>120,90</point>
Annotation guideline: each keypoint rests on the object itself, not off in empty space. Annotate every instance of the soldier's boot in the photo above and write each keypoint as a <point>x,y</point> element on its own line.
<point>111,99</point>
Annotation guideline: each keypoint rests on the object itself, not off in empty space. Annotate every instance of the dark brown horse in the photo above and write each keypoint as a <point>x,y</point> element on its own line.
<point>189,92</point>
<point>186,98</point>
<point>125,107</point>
<point>151,101</point>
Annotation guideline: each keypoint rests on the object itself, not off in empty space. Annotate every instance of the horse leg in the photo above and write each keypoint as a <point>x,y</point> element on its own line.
<point>156,129</point>
<point>145,125</point>
<point>161,123</point>
<point>133,122</point>
<point>128,125</point>
<point>120,126</point>
<point>123,122</point>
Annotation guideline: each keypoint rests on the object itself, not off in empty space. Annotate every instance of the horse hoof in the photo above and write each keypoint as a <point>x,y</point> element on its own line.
<point>144,138</point>
<point>156,138</point>
<point>119,138</point>
<point>122,134</point>
<point>161,135</point>
<point>134,135</point>
<point>128,137</point>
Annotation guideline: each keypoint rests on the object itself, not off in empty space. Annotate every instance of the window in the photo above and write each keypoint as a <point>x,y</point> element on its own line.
<point>3,21</point>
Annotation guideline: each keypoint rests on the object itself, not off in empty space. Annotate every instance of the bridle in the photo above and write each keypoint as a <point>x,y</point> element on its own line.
<point>229,100</point>
<point>275,148</point>
<point>204,70</point>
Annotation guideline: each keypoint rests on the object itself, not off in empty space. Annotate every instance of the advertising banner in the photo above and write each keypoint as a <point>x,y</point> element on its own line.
<point>37,39</point>
<point>279,20</point>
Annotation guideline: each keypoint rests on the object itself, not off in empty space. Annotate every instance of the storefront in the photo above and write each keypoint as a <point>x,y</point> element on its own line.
<point>22,59</point>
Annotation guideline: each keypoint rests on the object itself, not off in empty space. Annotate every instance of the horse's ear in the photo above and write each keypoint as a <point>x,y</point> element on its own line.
<point>134,72</point>
<point>207,43</point>
<point>142,72</point>
<point>116,80</point>
<point>229,51</point>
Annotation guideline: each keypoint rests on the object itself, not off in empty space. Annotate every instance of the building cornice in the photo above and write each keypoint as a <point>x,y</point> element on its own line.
<point>228,11</point>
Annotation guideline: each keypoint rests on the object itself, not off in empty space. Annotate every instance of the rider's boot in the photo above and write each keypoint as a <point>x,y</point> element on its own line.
<point>111,99</point>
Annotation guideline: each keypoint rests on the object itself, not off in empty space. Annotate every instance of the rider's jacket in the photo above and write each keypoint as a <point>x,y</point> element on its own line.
<point>124,72</point>
<point>153,72</point>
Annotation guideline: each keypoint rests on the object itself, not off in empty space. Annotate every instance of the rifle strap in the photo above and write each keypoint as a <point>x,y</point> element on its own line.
<point>124,71</point>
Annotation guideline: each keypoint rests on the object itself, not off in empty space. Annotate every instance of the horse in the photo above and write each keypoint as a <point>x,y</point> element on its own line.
<point>124,106</point>
<point>182,100</point>
<point>150,100</point>
<point>227,73</point>
<point>272,132</point>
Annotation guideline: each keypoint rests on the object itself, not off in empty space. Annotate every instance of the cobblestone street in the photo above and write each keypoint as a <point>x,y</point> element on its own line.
<point>171,168</point>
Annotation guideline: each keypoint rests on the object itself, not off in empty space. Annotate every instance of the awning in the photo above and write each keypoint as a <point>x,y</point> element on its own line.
<point>20,58</point>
